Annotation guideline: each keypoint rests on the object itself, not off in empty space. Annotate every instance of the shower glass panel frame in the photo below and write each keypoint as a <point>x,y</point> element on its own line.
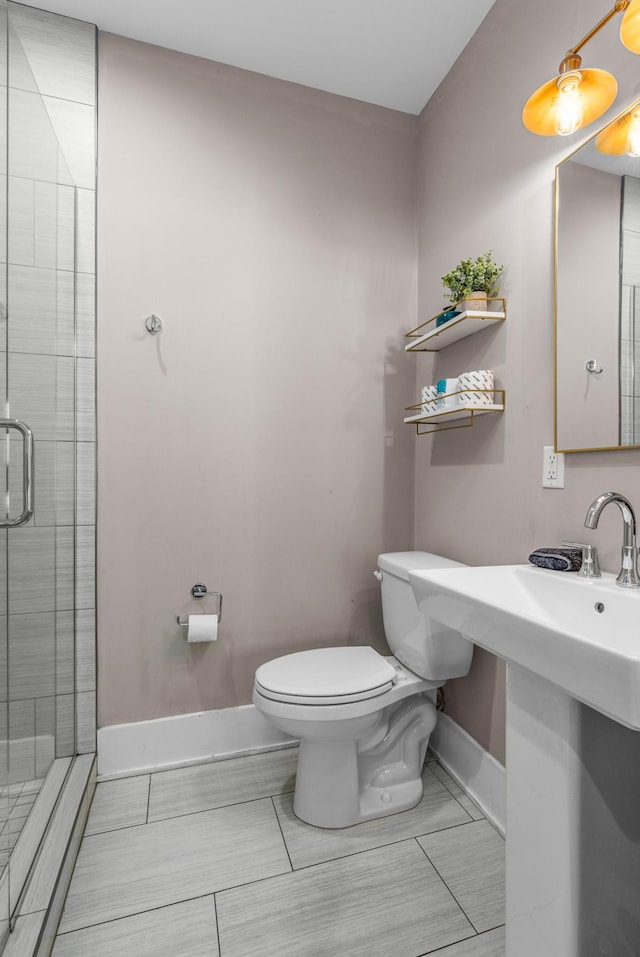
<point>629,319</point>
<point>47,384</point>
<point>5,804</point>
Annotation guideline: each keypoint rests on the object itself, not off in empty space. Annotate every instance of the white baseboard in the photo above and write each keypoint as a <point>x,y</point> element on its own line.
<point>477,771</point>
<point>183,739</point>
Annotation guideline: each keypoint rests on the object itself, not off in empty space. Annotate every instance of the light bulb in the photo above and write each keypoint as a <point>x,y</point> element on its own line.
<point>632,146</point>
<point>569,115</point>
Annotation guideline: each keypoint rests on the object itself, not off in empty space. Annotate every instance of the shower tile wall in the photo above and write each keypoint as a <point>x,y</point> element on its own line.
<point>50,275</point>
<point>630,314</point>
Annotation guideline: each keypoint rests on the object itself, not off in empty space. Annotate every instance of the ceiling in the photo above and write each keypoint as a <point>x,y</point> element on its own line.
<point>390,52</point>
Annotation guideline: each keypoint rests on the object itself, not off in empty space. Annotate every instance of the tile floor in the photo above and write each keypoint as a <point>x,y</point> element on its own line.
<point>209,861</point>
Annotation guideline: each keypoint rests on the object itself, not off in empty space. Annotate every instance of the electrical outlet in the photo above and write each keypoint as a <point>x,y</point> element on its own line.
<point>552,468</point>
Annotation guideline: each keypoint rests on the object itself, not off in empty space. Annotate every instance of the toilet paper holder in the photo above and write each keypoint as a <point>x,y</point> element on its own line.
<point>199,591</point>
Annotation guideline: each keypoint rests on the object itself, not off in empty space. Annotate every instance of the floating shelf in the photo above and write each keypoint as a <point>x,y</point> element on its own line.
<point>443,421</point>
<point>427,337</point>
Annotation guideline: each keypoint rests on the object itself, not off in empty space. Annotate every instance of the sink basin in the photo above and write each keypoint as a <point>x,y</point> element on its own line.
<point>583,635</point>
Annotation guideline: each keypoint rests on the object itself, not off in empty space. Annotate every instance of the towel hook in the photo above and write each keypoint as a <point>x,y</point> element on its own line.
<point>153,324</point>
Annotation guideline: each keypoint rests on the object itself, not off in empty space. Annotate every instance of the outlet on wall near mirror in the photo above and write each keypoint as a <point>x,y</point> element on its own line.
<point>597,245</point>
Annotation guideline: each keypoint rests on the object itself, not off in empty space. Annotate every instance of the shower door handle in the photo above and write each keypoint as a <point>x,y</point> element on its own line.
<point>27,472</point>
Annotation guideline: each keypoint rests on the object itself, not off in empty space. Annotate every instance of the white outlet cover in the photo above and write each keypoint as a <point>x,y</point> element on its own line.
<point>552,478</point>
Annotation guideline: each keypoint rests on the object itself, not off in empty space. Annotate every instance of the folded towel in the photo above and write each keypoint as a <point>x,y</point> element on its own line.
<point>559,559</point>
<point>446,389</point>
<point>446,316</point>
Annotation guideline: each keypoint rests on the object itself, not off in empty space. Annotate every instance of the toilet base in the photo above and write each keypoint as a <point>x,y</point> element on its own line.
<point>344,782</point>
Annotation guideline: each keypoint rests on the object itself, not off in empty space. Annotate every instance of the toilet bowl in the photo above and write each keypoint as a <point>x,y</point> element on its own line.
<point>364,719</point>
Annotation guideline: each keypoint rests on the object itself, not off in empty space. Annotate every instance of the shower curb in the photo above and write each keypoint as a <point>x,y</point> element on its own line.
<point>35,930</point>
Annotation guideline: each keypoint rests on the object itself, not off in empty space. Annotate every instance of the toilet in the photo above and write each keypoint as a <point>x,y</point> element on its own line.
<point>364,720</point>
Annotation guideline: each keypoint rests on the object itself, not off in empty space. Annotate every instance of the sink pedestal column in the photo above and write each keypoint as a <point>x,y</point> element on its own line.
<point>542,774</point>
<point>573,826</point>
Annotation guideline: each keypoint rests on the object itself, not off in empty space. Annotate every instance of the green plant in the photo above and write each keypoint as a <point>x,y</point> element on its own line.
<point>472,275</point>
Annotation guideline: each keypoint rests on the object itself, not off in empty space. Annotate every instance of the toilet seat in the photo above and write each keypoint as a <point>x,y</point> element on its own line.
<point>325,676</point>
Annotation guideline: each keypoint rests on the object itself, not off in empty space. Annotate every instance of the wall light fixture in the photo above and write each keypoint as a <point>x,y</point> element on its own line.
<point>577,97</point>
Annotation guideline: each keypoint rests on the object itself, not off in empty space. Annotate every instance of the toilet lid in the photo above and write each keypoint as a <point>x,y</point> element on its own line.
<point>326,676</point>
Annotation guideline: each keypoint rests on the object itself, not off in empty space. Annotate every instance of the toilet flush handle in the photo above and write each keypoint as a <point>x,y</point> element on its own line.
<point>378,575</point>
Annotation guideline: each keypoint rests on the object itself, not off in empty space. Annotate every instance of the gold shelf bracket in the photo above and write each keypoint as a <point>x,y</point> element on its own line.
<point>466,423</point>
<point>429,326</point>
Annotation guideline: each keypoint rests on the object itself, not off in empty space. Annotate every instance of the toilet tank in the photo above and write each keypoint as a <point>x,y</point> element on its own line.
<point>425,646</point>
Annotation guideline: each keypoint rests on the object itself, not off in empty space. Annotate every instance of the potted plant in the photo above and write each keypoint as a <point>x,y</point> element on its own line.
<point>472,281</point>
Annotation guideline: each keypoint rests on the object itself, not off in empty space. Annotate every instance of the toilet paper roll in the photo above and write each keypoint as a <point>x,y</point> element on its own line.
<point>480,379</point>
<point>429,393</point>
<point>202,628</point>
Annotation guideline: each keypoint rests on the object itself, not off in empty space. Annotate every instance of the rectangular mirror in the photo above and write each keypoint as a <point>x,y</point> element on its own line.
<point>597,287</point>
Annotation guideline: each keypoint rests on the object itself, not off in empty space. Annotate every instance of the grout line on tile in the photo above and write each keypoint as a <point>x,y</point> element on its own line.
<point>486,930</point>
<point>176,817</point>
<point>471,924</point>
<point>173,817</point>
<point>464,808</point>
<point>219,807</point>
<point>126,775</point>
<point>113,830</point>
<point>135,913</point>
<point>364,850</point>
<point>449,827</point>
<point>215,911</point>
<point>467,795</point>
<point>148,801</point>
<point>261,880</point>
<point>284,840</point>
<point>454,796</point>
<point>439,950</point>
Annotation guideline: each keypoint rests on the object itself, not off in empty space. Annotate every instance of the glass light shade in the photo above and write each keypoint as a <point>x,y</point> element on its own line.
<point>632,146</point>
<point>630,27</point>
<point>596,91</point>
<point>622,135</point>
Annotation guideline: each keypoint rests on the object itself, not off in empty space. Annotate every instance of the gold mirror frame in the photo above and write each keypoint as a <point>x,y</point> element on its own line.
<point>608,140</point>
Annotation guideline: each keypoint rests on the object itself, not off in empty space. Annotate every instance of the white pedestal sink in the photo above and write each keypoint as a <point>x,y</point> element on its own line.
<point>573,752</point>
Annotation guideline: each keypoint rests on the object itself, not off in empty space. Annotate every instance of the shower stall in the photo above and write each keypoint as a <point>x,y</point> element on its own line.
<point>630,313</point>
<point>47,428</point>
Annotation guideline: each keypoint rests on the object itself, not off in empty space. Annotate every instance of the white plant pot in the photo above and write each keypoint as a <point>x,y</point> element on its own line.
<point>475,301</point>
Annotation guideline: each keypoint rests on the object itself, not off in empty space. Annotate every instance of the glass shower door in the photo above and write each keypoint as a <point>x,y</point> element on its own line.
<point>5,800</point>
<point>40,392</point>
<point>46,416</point>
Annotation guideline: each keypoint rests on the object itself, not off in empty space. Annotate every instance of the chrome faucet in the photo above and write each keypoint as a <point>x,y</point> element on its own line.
<point>628,576</point>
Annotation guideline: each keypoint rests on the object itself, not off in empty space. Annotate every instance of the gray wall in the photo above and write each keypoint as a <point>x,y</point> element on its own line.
<point>272,228</point>
<point>485,182</point>
<point>257,445</point>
